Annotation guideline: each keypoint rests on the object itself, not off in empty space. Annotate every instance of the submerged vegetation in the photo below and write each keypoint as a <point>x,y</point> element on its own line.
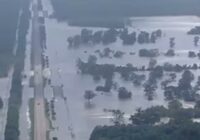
<point>147,124</point>
<point>15,99</point>
<point>87,37</point>
<point>175,81</point>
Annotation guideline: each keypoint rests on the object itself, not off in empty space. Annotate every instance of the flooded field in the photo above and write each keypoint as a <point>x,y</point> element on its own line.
<point>75,114</point>
<point>63,68</point>
<point>64,71</point>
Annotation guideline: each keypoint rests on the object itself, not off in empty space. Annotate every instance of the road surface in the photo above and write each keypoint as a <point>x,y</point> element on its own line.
<point>40,127</point>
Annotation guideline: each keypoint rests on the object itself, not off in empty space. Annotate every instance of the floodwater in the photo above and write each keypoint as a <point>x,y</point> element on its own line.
<point>77,115</point>
<point>24,121</point>
<point>5,86</point>
<point>84,118</point>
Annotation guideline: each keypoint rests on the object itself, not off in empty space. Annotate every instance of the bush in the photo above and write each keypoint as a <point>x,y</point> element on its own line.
<point>123,93</point>
<point>170,52</point>
<point>148,53</point>
<point>191,54</point>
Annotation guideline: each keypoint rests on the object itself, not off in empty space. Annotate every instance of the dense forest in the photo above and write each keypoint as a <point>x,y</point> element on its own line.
<point>9,11</point>
<point>113,12</point>
<point>184,131</point>
<point>147,124</point>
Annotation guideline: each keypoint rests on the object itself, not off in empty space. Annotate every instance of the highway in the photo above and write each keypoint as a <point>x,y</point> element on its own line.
<point>40,127</point>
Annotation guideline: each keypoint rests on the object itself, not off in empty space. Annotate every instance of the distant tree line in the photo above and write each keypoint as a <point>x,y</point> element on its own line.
<point>110,36</point>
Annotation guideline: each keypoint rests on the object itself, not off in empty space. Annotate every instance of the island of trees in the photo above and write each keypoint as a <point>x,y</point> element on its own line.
<point>87,37</point>
<point>184,90</point>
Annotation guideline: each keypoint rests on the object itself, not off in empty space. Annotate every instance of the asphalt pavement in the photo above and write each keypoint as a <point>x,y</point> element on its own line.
<point>40,126</point>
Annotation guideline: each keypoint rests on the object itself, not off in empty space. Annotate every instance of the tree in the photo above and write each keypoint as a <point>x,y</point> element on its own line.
<point>118,117</point>
<point>196,40</point>
<point>157,72</point>
<point>109,36</point>
<point>195,31</point>
<point>77,41</point>
<point>128,39</point>
<point>148,53</point>
<point>170,53</point>
<point>143,37</point>
<point>185,81</point>
<point>152,63</point>
<point>86,36</point>
<point>97,37</point>
<point>89,95</point>
<point>172,42</point>
<point>149,116</point>
<point>149,89</point>
<point>191,54</point>
<point>123,93</point>
<point>118,54</point>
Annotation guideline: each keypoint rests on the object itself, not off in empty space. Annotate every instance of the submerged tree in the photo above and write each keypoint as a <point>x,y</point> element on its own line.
<point>118,117</point>
<point>89,95</point>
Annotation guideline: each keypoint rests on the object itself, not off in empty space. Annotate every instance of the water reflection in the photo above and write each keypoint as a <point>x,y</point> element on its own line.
<point>85,116</point>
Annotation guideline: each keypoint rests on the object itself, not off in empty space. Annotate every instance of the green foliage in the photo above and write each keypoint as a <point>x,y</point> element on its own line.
<point>149,116</point>
<point>185,81</point>
<point>179,127</point>
<point>89,95</point>
<point>148,53</point>
<point>123,93</point>
<point>12,130</point>
<point>183,131</point>
<point>170,53</point>
<point>118,117</point>
<point>194,31</point>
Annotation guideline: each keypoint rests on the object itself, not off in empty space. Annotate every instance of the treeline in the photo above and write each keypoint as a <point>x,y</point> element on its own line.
<point>184,90</point>
<point>113,12</point>
<point>9,13</point>
<point>88,37</point>
<point>148,125</point>
<point>12,125</point>
<point>185,131</point>
<point>106,71</point>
